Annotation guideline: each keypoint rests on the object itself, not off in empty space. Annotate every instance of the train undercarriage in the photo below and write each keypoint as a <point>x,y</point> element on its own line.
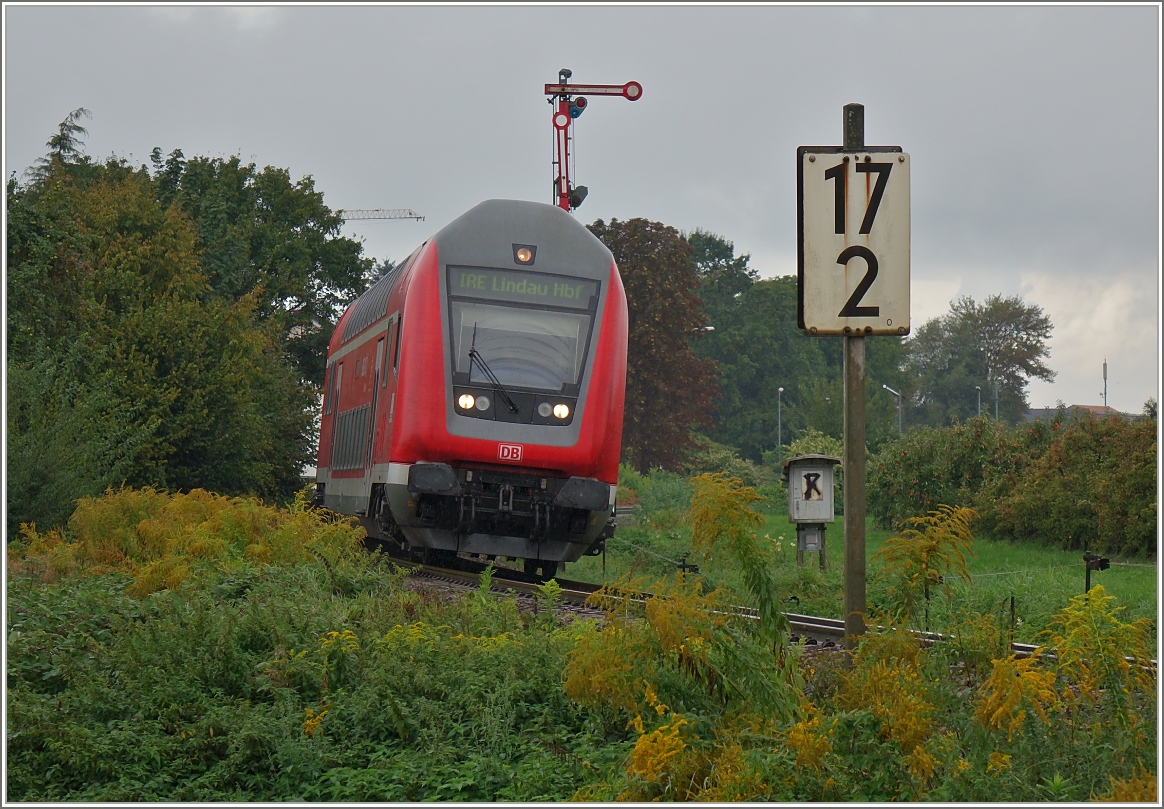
<point>444,512</point>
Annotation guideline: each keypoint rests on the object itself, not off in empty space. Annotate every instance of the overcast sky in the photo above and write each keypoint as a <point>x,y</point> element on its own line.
<point>1033,131</point>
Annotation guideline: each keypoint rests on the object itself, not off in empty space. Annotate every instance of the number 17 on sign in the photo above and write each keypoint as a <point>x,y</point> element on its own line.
<point>853,240</point>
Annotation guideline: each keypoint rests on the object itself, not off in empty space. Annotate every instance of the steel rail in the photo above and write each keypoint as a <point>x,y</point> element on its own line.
<point>811,627</point>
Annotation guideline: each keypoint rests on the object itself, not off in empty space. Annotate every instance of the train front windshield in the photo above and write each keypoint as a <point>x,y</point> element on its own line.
<point>532,330</point>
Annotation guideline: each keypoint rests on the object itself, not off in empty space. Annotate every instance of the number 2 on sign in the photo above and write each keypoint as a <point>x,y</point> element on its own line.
<point>840,173</point>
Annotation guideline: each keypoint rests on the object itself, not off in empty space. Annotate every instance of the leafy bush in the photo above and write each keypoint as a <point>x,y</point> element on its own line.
<point>1084,483</point>
<point>713,457</point>
<point>163,540</point>
<point>313,681</point>
<point>1093,488</point>
<point>927,466</point>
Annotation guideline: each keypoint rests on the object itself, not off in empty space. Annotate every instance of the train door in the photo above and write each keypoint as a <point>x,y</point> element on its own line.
<point>335,412</point>
<point>386,391</point>
<point>372,431</point>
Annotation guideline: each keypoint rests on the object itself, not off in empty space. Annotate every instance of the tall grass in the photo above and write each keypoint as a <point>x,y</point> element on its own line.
<point>1041,580</point>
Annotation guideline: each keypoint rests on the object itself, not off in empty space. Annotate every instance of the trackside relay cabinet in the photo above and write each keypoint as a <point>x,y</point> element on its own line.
<point>810,501</point>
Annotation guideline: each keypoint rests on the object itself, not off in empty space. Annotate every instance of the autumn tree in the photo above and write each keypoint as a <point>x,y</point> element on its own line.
<point>669,389</point>
<point>1000,341</point>
<point>124,364</point>
<point>269,238</point>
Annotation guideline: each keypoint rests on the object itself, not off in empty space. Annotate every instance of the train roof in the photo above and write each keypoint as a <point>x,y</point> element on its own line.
<point>486,235</point>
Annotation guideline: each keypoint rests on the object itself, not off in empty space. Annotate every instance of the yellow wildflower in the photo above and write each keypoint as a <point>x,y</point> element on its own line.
<point>998,763</point>
<point>311,724</point>
<point>654,751</point>
<point>810,745</point>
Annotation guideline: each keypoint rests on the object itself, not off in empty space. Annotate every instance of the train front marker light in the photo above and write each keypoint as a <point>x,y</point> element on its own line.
<point>561,411</point>
<point>544,410</point>
<point>465,402</point>
<point>482,402</point>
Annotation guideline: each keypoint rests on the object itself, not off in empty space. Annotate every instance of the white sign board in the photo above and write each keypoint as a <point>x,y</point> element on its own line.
<point>853,240</point>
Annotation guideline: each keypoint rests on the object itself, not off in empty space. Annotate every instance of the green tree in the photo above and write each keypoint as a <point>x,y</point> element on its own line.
<point>1001,341</point>
<point>759,349</point>
<point>669,388</point>
<point>723,276</point>
<point>271,239</point>
<point>64,147</point>
<point>123,366</point>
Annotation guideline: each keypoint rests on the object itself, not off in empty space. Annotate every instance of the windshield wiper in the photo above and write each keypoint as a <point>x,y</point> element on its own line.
<point>475,356</point>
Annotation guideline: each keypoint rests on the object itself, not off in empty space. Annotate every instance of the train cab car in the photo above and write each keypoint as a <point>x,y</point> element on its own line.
<point>473,399</point>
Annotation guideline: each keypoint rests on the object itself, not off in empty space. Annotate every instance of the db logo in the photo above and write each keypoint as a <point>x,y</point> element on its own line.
<point>509,452</point>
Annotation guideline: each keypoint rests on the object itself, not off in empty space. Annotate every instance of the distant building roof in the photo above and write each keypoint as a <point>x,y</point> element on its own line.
<point>1041,413</point>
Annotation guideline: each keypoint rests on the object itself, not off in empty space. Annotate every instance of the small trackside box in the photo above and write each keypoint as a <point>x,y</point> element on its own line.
<point>810,488</point>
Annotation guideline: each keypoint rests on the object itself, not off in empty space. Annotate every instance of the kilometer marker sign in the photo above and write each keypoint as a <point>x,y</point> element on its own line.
<point>852,219</point>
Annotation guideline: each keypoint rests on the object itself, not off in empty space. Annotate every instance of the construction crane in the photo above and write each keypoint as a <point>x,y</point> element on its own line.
<point>380,213</point>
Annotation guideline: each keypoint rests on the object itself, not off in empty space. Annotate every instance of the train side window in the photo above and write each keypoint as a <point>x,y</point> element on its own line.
<point>396,351</point>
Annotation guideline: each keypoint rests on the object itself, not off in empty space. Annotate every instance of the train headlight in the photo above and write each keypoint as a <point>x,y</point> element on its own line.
<point>482,402</point>
<point>465,402</point>
<point>561,411</point>
<point>544,410</point>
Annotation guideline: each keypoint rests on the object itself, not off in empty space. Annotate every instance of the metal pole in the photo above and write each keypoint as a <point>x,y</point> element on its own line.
<point>854,448</point>
<point>779,427</point>
<point>996,400</point>
<point>979,389</point>
<point>898,395</point>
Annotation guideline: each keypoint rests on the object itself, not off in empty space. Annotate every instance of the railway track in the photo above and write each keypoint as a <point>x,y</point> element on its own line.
<point>812,630</point>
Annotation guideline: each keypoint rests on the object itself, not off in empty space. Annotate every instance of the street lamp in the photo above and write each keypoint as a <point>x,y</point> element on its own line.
<point>995,383</point>
<point>898,395</point>
<point>779,426</point>
<point>979,389</point>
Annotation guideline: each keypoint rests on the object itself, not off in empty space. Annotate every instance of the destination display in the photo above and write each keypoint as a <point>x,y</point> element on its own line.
<point>522,287</point>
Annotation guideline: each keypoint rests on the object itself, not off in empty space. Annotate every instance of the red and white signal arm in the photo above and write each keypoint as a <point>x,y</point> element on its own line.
<point>852,216</point>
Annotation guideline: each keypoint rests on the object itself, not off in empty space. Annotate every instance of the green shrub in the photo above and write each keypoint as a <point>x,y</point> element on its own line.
<point>712,457</point>
<point>927,467</point>
<point>1094,488</point>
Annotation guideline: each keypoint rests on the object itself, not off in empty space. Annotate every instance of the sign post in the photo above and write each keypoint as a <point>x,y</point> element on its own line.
<point>853,280</point>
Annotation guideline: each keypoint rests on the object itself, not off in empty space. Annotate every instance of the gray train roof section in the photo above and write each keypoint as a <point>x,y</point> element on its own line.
<point>484,236</point>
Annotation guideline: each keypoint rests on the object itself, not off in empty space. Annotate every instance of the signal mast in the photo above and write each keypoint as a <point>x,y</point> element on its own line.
<point>568,103</point>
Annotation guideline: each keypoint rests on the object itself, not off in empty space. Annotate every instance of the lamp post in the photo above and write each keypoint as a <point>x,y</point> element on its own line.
<point>979,389</point>
<point>995,383</point>
<point>898,395</point>
<point>779,426</point>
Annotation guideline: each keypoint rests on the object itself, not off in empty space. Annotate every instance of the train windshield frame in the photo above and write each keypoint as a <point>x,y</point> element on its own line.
<point>533,330</point>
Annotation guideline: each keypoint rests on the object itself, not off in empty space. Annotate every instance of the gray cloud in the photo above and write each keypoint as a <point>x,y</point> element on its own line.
<point>1033,131</point>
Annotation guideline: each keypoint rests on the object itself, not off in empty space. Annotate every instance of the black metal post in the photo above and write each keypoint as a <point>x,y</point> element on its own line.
<point>854,435</point>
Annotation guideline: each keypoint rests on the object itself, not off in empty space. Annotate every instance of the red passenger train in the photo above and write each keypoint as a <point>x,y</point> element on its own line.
<point>473,400</point>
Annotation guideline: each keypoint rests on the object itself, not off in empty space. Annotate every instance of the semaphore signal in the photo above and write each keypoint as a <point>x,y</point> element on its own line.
<point>569,101</point>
